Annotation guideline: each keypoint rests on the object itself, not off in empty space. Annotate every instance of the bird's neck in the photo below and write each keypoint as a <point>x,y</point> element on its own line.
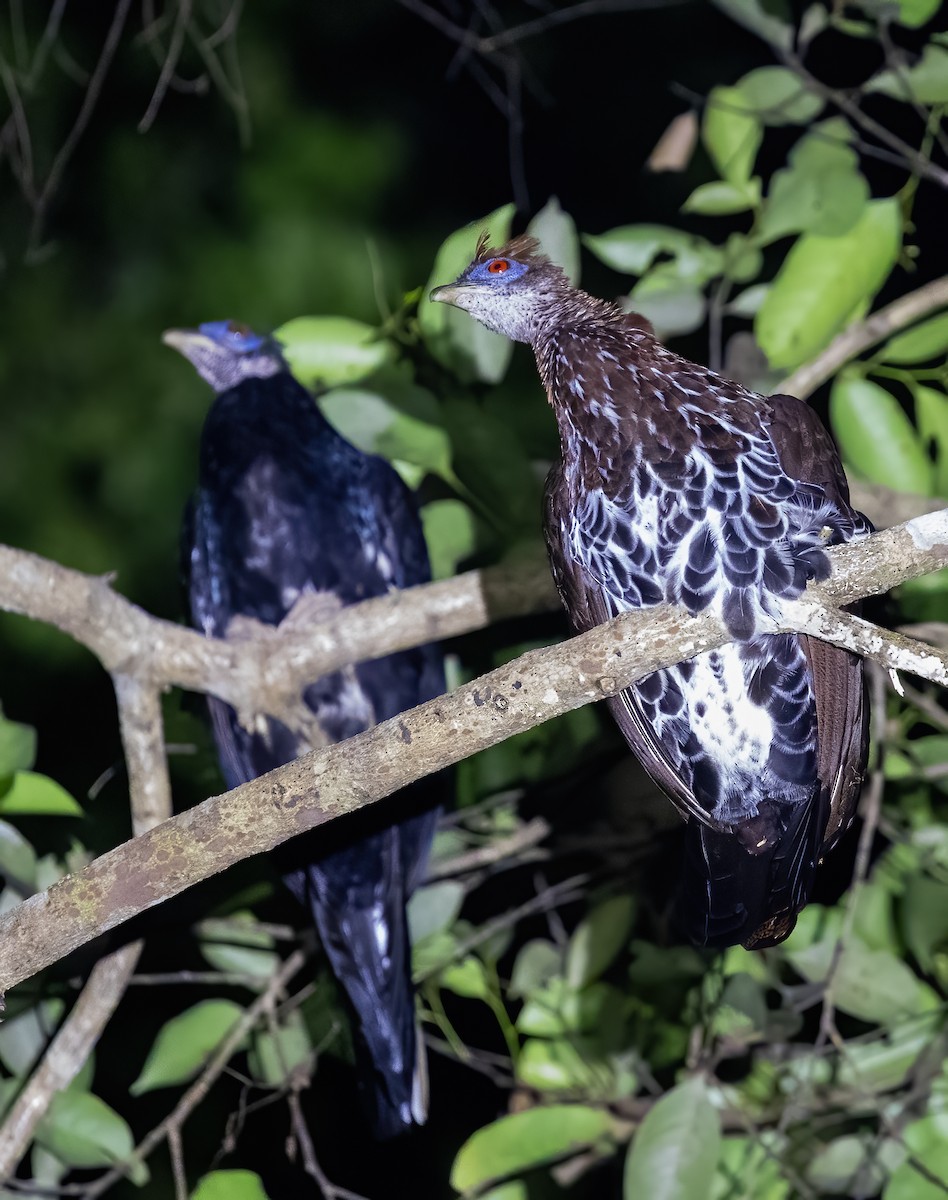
<point>587,363</point>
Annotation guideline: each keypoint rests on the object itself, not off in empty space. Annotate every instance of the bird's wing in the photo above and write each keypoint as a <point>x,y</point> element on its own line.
<point>588,604</point>
<point>807,453</point>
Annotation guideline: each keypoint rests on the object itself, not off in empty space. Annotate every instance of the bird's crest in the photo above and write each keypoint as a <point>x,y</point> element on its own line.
<point>523,248</point>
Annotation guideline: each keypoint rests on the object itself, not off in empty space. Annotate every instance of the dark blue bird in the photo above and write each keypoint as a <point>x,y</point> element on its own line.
<point>679,486</point>
<point>290,518</point>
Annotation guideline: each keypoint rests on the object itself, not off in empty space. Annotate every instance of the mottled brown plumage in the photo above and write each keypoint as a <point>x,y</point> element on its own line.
<point>677,485</point>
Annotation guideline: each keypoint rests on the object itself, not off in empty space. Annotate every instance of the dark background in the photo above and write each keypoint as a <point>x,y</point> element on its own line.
<point>368,127</point>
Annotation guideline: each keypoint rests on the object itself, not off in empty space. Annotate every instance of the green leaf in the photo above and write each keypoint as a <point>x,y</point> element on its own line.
<point>80,1129</point>
<point>375,425</point>
<point>246,951</point>
<point>25,1036</point>
<point>924,83</point>
<point>778,96</point>
<point>743,259</point>
<point>675,1150</point>
<point>750,1167</point>
<point>230,1185</point>
<point>731,134</point>
<point>931,415</point>
<point>720,198</point>
<point>876,438</point>
<point>466,978</point>
<point>565,1066</point>
<point>32,795</point>
<point>673,308</point>
<point>433,908</point>
<point>821,282</point>
<point>873,985</point>
<point>770,21</point>
<point>492,464</point>
<point>632,249</point>
<point>822,191</point>
<point>524,1140</point>
<point>535,965</point>
<point>17,746</point>
<point>598,939</point>
<point>185,1043</point>
<point>455,339</point>
<point>17,860</point>
<point>849,1166</point>
<point>556,232</point>
<point>748,303</point>
<point>931,752</point>
<point>554,1009</point>
<point>886,1063</point>
<point>914,13</point>
<point>507,1191</point>
<point>927,1143</point>
<point>276,1053</point>
<point>450,533</point>
<point>332,351</point>
<point>918,344</point>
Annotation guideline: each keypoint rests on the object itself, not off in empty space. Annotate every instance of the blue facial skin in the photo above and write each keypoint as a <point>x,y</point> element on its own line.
<point>481,274</point>
<point>228,333</point>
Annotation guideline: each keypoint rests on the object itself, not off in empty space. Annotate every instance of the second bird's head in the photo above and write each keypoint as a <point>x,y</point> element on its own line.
<point>512,290</point>
<point>226,352</point>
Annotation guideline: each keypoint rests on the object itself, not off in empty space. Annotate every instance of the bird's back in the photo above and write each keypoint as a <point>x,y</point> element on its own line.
<point>289,520</point>
<point>679,486</point>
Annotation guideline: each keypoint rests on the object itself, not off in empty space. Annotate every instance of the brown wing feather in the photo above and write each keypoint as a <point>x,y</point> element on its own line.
<point>807,453</point>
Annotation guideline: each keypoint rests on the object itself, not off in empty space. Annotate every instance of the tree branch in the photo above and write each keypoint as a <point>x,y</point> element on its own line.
<point>331,782</point>
<point>150,799</point>
<point>265,673</point>
<point>864,334</point>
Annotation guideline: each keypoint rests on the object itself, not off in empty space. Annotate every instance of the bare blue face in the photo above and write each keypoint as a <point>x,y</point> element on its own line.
<point>231,335</point>
<point>494,271</point>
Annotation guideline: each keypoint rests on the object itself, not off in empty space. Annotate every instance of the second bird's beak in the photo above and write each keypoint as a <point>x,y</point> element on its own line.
<point>183,340</point>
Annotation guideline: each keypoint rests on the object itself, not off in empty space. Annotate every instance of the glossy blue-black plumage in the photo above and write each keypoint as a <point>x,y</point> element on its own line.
<point>288,511</point>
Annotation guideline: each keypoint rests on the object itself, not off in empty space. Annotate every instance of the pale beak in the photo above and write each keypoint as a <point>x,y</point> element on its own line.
<point>448,292</point>
<point>185,340</point>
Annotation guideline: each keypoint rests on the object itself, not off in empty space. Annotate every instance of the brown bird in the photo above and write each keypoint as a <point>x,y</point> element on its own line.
<point>678,486</point>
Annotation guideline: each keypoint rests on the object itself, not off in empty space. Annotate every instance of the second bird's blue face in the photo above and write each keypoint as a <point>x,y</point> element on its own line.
<point>232,335</point>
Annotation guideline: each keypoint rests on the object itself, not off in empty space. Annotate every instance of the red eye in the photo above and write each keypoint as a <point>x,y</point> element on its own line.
<point>498,266</point>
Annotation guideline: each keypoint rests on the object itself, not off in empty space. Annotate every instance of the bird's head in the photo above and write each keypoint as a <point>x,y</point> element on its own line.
<point>513,290</point>
<point>226,352</point>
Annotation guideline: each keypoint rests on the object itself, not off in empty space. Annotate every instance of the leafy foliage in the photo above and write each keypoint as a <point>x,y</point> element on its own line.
<point>622,1059</point>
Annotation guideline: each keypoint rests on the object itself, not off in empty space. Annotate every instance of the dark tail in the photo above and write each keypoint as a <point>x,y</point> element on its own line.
<point>357,896</point>
<point>731,894</point>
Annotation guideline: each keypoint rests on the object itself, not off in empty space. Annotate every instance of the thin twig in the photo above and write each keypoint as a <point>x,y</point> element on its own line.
<point>202,1085</point>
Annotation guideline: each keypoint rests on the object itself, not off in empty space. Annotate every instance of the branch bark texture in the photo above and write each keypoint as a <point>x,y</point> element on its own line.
<point>334,781</point>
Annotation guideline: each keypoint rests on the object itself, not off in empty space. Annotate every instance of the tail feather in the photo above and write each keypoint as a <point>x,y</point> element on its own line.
<point>359,912</point>
<point>730,894</point>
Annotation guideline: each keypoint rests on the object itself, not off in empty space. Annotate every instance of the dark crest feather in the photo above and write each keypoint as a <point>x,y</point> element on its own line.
<point>524,247</point>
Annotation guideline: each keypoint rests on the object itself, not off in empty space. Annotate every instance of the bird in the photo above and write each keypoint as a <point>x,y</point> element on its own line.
<point>676,485</point>
<point>290,520</point>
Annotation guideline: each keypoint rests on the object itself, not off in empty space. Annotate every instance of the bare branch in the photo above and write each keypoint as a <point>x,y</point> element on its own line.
<point>339,779</point>
<point>865,334</point>
<point>266,673</point>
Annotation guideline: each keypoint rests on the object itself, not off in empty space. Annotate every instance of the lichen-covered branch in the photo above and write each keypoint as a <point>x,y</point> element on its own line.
<point>336,780</point>
<point>149,791</point>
